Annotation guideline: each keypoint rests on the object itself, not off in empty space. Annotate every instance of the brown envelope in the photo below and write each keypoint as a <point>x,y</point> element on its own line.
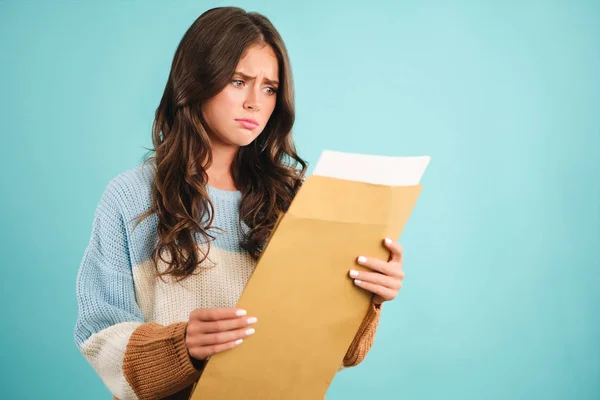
<point>308,308</point>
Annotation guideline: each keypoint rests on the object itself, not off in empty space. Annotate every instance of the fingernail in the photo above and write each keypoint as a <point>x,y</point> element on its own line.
<point>358,282</point>
<point>388,241</point>
<point>362,259</point>
<point>239,341</point>
<point>252,320</point>
<point>240,313</point>
<point>250,331</point>
<point>353,273</point>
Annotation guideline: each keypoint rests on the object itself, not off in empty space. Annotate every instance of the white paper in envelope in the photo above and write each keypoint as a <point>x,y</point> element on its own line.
<point>379,170</point>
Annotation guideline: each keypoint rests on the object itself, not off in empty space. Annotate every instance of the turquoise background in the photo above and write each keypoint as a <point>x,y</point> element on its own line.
<point>502,294</point>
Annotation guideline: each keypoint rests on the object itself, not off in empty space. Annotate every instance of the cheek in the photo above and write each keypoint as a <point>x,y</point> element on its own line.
<point>222,104</point>
<point>208,110</point>
<point>216,111</point>
<point>213,119</point>
<point>230,98</point>
<point>268,108</point>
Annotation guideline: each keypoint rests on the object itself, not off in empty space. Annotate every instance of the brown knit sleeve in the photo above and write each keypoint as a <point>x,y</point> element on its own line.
<point>364,338</point>
<point>157,364</point>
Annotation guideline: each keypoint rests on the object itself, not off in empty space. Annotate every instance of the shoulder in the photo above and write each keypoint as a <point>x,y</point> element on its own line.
<point>130,191</point>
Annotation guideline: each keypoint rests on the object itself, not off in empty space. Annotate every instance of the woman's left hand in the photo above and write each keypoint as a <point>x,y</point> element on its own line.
<point>386,280</point>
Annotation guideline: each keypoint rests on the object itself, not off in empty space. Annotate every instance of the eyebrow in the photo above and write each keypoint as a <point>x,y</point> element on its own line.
<point>248,78</point>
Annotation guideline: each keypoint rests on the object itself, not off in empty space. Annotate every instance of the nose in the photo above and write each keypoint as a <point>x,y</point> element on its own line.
<point>252,102</point>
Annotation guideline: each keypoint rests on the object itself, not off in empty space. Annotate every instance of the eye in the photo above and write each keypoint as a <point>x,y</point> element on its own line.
<point>237,83</point>
<point>271,90</point>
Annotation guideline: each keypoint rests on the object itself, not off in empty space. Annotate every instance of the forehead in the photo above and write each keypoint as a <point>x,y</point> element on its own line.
<point>259,59</point>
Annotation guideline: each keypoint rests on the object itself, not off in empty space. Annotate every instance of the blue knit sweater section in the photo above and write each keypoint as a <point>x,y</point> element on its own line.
<point>105,286</point>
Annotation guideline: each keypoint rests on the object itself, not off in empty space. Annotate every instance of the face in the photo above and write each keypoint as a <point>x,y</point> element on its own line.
<point>238,114</point>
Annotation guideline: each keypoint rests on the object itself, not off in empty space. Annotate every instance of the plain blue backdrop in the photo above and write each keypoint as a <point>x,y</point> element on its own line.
<point>502,293</point>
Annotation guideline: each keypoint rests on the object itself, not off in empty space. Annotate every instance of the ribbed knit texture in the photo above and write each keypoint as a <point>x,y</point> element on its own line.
<point>131,325</point>
<point>157,359</point>
<point>364,337</point>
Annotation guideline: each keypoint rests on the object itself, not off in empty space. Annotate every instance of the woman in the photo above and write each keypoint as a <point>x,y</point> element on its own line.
<point>175,240</point>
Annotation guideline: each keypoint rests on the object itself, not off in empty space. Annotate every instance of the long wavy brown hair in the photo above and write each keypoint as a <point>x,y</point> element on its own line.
<point>265,172</point>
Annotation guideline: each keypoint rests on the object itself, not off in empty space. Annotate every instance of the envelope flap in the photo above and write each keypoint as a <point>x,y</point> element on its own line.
<point>333,199</point>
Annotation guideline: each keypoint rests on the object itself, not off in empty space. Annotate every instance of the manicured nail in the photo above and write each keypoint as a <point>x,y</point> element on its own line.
<point>362,259</point>
<point>250,331</point>
<point>388,241</point>
<point>238,342</point>
<point>353,273</point>
<point>358,282</point>
<point>252,320</point>
<point>240,313</point>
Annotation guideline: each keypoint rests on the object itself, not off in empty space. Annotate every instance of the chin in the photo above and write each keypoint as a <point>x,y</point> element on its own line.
<point>244,139</point>
<point>244,143</point>
<point>239,141</point>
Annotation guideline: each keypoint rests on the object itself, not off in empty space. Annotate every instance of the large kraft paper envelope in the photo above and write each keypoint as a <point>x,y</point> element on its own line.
<point>308,308</point>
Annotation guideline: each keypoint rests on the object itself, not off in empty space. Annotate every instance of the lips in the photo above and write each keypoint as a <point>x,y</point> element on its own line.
<point>248,123</point>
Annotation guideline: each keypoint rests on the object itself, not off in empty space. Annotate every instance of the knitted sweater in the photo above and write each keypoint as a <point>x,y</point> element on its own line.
<point>131,326</point>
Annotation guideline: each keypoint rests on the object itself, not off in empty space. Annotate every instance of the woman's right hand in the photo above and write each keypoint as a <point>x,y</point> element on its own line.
<point>215,330</point>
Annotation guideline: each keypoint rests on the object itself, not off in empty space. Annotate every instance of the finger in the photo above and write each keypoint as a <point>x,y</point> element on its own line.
<point>223,337</point>
<point>217,314</point>
<point>378,265</point>
<point>386,293</point>
<point>394,248</point>
<point>225,324</point>
<point>376,278</point>
<point>202,352</point>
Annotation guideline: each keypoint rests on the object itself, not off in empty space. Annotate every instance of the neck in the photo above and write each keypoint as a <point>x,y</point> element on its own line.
<point>219,172</point>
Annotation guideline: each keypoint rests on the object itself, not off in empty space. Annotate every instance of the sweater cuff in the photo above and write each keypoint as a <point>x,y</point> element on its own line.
<point>364,337</point>
<point>157,363</point>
